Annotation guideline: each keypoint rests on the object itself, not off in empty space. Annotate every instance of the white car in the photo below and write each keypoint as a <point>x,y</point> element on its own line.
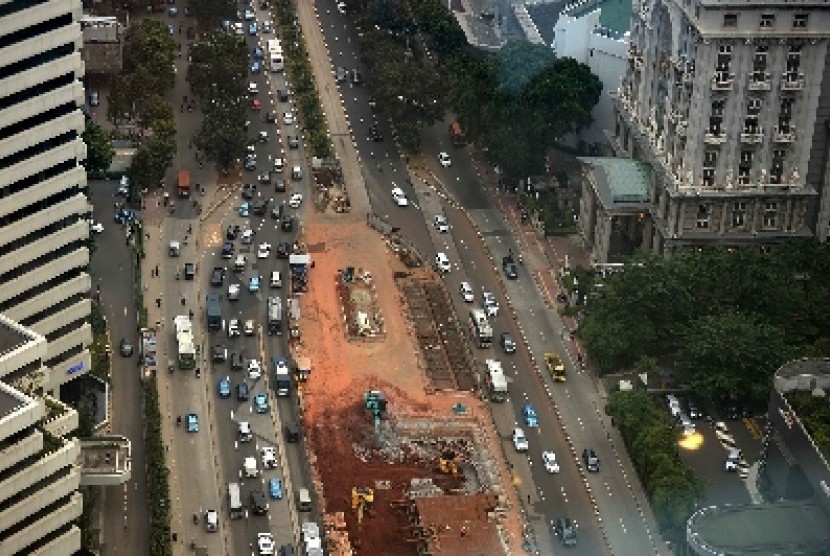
<point>263,251</point>
<point>466,291</point>
<point>254,370</point>
<point>281,368</point>
<point>266,26</point>
<point>263,136</point>
<point>96,227</point>
<point>444,159</point>
<point>549,459</point>
<point>490,304</point>
<point>442,263</point>
<point>288,118</point>
<point>269,457</point>
<point>265,544</point>
<point>233,292</point>
<point>248,237</point>
<point>249,327</point>
<point>233,328</point>
<point>296,200</point>
<point>279,164</point>
<point>249,15</point>
<point>341,7</point>
<point>441,223</point>
<point>252,88</point>
<point>399,196</point>
<point>520,440</point>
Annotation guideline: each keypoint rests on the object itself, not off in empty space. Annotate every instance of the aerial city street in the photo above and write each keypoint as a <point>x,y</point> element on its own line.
<point>414,277</point>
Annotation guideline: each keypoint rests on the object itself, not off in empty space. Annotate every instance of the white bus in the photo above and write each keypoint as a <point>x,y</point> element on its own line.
<point>480,328</point>
<point>496,381</point>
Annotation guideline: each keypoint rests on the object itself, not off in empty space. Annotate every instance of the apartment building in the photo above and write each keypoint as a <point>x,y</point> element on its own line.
<point>44,227</point>
<point>728,102</point>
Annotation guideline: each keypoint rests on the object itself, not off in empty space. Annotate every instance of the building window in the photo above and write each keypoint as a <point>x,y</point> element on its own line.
<point>730,20</point>
<point>702,221</point>
<point>739,214</point>
<point>716,118</point>
<point>794,59</point>
<point>767,21</point>
<point>770,214</point>
<point>708,177</point>
<point>710,159</point>
<point>753,110</point>
<point>743,174</point>
<point>800,21</point>
<point>785,115</point>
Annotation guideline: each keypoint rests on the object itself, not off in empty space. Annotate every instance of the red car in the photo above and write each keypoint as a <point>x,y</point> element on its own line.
<point>255,105</point>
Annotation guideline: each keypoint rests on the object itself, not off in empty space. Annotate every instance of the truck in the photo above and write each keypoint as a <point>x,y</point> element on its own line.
<point>275,316</point>
<point>235,501</point>
<point>496,381</point>
<point>480,328</point>
<point>298,264</point>
<point>275,56</point>
<point>303,367</point>
<point>185,344</point>
<point>183,183</point>
<point>148,355</point>
<point>214,312</point>
<point>456,134</point>
<point>555,367</point>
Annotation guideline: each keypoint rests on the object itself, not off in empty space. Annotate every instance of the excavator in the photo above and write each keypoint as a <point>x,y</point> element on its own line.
<point>375,403</point>
<point>362,499</point>
<point>447,463</point>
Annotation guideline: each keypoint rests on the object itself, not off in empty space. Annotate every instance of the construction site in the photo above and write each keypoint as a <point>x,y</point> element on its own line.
<point>403,452</point>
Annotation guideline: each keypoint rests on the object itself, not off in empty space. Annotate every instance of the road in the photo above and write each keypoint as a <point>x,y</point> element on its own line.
<point>113,269</point>
<point>476,230</point>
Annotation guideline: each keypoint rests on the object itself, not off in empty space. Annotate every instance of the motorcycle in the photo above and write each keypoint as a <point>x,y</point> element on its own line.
<point>178,420</point>
<point>195,518</point>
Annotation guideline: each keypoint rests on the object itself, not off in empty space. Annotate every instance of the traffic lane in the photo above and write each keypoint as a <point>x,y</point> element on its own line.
<point>460,178</point>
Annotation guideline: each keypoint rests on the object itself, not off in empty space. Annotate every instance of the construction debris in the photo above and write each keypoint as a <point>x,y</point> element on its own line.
<point>361,311</point>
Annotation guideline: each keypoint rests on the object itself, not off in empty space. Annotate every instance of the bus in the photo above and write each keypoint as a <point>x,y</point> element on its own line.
<point>496,381</point>
<point>214,312</point>
<point>275,56</point>
<point>275,316</point>
<point>235,501</point>
<point>480,328</point>
<point>185,345</point>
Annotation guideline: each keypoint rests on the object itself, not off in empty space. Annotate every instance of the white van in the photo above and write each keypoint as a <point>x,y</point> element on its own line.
<point>303,500</point>
<point>239,263</point>
<point>276,279</point>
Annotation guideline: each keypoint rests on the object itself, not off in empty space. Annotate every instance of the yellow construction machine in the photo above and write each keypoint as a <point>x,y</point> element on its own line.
<point>447,463</point>
<point>362,499</point>
<point>555,367</point>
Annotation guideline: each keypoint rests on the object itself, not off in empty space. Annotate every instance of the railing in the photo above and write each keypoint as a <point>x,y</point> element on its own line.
<point>792,81</point>
<point>786,135</point>
<point>754,136</point>
<point>722,81</point>
<point>760,81</point>
<point>714,138</point>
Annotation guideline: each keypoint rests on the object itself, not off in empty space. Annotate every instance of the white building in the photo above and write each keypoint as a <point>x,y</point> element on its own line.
<point>578,34</point>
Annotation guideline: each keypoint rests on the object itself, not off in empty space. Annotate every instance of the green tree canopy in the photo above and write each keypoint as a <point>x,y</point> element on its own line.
<point>99,150</point>
<point>210,12</point>
<point>149,55</point>
<point>154,157</point>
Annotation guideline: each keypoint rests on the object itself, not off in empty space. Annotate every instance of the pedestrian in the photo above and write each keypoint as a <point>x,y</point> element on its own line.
<point>183,301</point>
<point>158,302</point>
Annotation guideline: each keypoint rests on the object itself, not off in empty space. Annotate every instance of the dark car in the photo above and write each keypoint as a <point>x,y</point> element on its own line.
<point>227,250</point>
<point>287,223</point>
<point>342,74</point>
<point>375,134</point>
<point>260,205</point>
<point>695,411</point>
<point>509,267</point>
<point>242,392</point>
<point>283,249</point>
<point>236,361</point>
<point>232,232</point>
<point>189,271</point>
<point>293,142</point>
<point>126,348</point>
<point>219,353</point>
<point>259,505</point>
<point>292,432</point>
<point>217,276</point>
<point>265,178</point>
<point>565,529</point>
<point>248,191</point>
<point>507,343</point>
<point>591,460</point>
<point>271,117</point>
<point>279,185</point>
<point>282,95</point>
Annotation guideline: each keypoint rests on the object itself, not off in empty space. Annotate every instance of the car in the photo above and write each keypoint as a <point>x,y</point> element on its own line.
<point>520,440</point>
<point>275,489</point>
<point>172,11</point>
<point>265,544</point>
<point>263,136</point>
<point>357,79</point>
<point>282,95</point>
<point>440,223</point>
<point>250,163</point>
<point>189,271</point>
<point>123,187</point>
<point>249,328</point>
<point>279,164</point>
<point>233,328</point>
<point>249,15</point>
<point>466,291</point>
<point>255,105</point>
<point>279,185</point>
<point>192,422</point>
<point>491,306</point>
<point>444,159</point>
<point>224,387</point>
<point>248,191</point>
<point>280,366</point>
<point>293,142</point>
<point>253,284</point>
<point>264,178</point>
<point>227,249</point>
<point>287,224</point>
<point>211,521</point>
<point>242,392</point>
<point>261,403</point>
<point>217,276</point>
<point>399,197</point>
<point>341,7</point>
<point>233,292</point>
<point>264,251</point>
<point>292,432</point>
<point>507,343</point>
<point>231,233</point>
<point>94,98</point>
<point>341,74</point>
<point>258,52</point>
<point>297,173</point>
<point>236,361</point>
<point>256,67</point>
<point>549,459</point>
<point>252,29</point>
<point>529,415</point>
<point>245,209</point>
<point>253,88</point>
<point>268,455</point>
<point>565,530</point>
<point>591,460</point>
<point>271,118</point>
<point>283,250</point>
<point>266,27</point>
<point>238,28</point>
<point>126,348</point>
<point>442,263</point>
<point>695,411</point>
<point>295,200</point>
<point>733,460</point>
<point>219,353</point>
<point>96,227</point>
<point>259,505</point>
<point>254,369</point>
<point>288,118</point>
<point>509,267</point>
<point>170,30</point>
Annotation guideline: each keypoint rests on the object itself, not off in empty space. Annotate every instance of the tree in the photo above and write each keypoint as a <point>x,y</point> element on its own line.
<point>632,411</point>
<point>149,57</point>
<point>218,66</point>
<point>154,112</point>
<point>154,157</point>
<point>222,136</point>
<point>209,12</point>
<point>520,63</point>
<point>99,151</point>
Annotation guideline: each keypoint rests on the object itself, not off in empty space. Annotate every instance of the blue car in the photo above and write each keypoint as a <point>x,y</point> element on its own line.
<point>258,53</point>
<point>261,403</point>
<point>255,67</point>
<point>253,284</point>
<point>275,489</point>
<point>252,29</point>
<point>192,421</point>
<point>225,387</point>
<point>529,415</point>
<point>245,209</point>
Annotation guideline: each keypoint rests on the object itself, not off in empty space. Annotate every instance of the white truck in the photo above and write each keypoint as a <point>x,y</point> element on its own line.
<point>275,56</point>
<point>496,381</point>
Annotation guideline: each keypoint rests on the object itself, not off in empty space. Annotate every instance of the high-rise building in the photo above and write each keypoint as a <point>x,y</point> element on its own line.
<point>44,227</point>
<point>728,102</point>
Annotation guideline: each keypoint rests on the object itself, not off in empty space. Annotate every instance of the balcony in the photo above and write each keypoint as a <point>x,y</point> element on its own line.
<point>637,63</point>
<point>760,81</point>
<point>784,135</point>
<point>792,81</point>
<point>722,81</point>
<point>752,136</point>
<point>711,138</point>
<point>682,128</point>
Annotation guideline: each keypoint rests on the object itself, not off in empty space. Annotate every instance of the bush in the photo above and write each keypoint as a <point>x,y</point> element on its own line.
<point>158,492</point>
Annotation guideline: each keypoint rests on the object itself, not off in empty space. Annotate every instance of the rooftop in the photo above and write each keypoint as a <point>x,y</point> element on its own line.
<point>459,525</point>
<point>761,529</point>
<point>619,181</point>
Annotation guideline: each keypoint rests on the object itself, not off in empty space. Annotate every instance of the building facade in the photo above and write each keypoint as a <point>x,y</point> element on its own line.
<point>728,102</point>
<point>44,228</point>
